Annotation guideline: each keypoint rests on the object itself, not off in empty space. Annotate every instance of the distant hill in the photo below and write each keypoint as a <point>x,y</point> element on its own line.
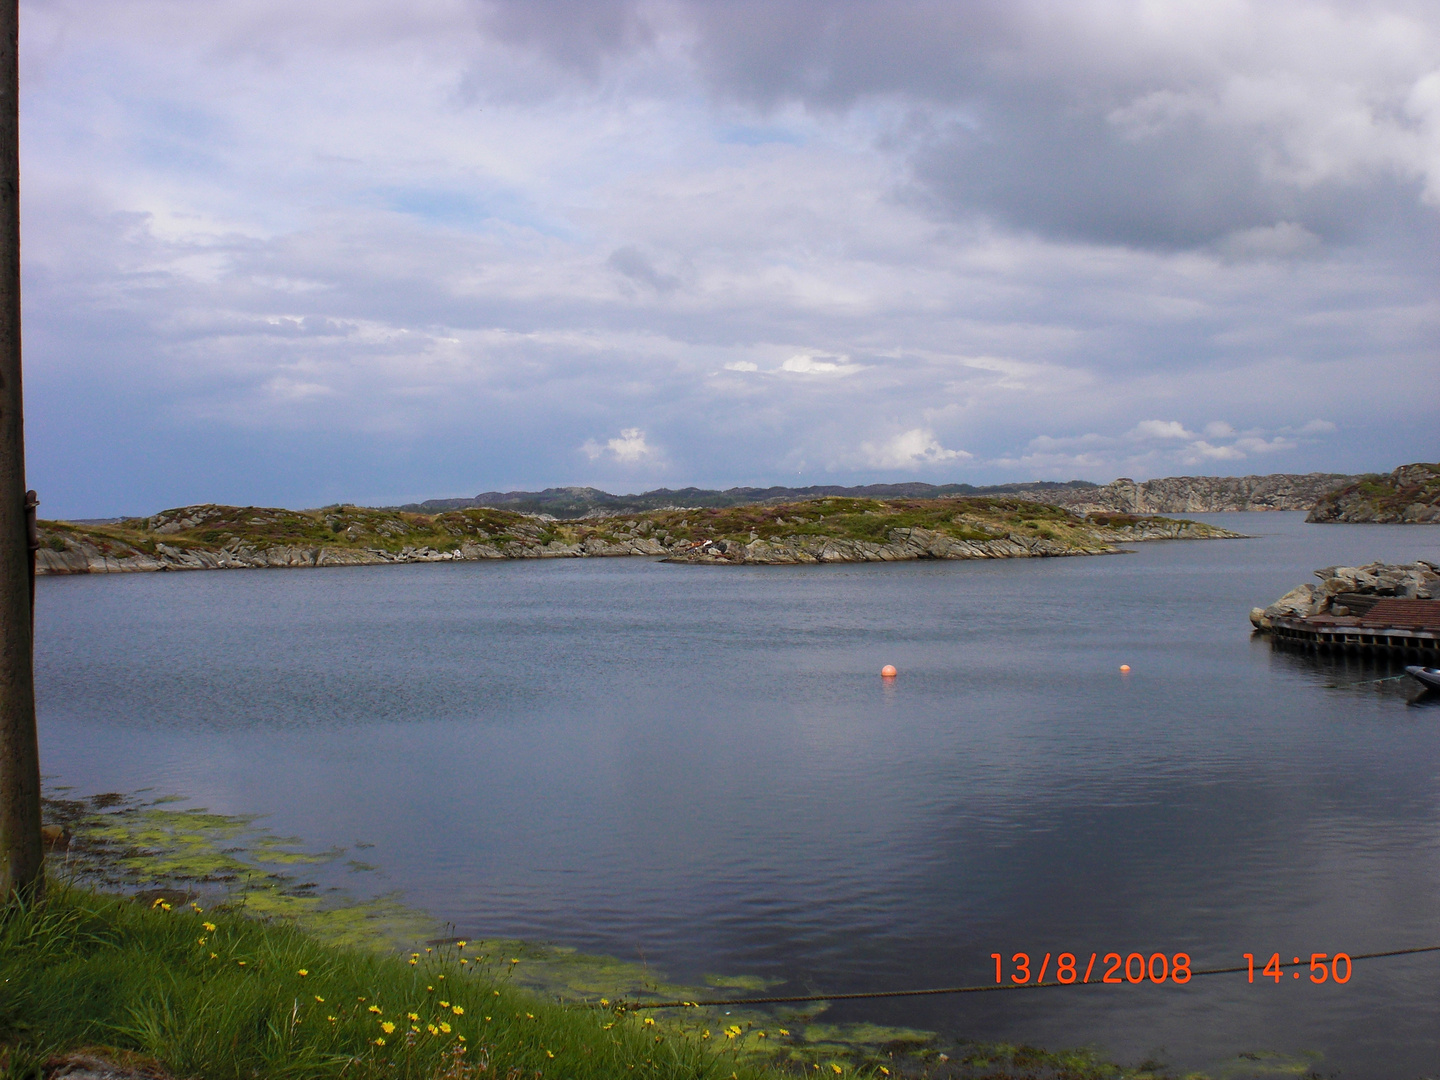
<point>570,503</point>
<point>1170,495</point>
<point>1408,496</point>
<point>1202,494</point>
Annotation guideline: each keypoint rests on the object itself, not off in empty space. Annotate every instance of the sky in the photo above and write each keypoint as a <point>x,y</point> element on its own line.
<point>302,253</point>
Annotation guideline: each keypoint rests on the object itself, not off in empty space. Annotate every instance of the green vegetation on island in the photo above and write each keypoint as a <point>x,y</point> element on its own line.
<point>855,529</point>
<point>1408,496</point>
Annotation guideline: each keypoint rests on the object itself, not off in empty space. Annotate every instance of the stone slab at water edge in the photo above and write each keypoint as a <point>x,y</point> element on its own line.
<point>213,537</point>
<point>1352,591</point>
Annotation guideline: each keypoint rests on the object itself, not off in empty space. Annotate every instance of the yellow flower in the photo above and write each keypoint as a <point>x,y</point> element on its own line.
<point>209,926</point>
<point>549,1054</point>
<point>197,907</point>
<point>413,961</point>
<point>375,1009</point>
<point>515,960</point>
<point>302,973</point>
<point>429,950</point>
<point>415,954</point>
<point>784,1032</point>
<point>705,1034</point>
<point>432,1029</point>
<point>444,1004</point>
<point>760,1035</point>
<point>884,1070</point>
<point>487,1019</point>
<point>387,1027</point>
<point>330,1018</point>
<point>463,961</point>
<point>379,1042</point>
<point>461,944</point>
<point>415,1029</point>
<point>442,976</point>
<point>530,1016</point>
<point>730,1034</point>
<point>214,956</point>
<point>460,1037</point>
<point>412,1016</point>
<point>649,1020</point>
<point>200,941</point>
<point>319,999</point>
<point>604,1027</point>
<point>240,962</point>
<point>158,901</point>
<point>429,988</point>
<point>604,1001</point>
<point>164,906</point>
<point>444,1027</point>
<point>457,1010</point>
<point>836,1067</point>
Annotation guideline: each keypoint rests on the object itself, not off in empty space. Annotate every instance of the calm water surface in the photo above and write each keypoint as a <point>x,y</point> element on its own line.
<point>701,765</point>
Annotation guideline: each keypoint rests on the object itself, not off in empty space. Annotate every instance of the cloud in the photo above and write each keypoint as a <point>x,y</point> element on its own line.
<point>819,365</point>
<point>1065,237</point>
<point>1160,429</point>
<point>629,449</point>
<point>909,449</point>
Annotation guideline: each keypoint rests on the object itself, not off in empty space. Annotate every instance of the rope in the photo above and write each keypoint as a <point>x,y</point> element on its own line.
<point>987,988</point>
<point>1365,682</point>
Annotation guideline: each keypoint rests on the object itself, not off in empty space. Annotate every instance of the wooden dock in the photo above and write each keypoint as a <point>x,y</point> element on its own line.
<point>1396,629</point>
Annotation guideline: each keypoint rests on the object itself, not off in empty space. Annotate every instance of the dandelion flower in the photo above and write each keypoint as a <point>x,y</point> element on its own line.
<point>413,961</point>
<point>432,1029</point>
<point>442,976</point>
<point>530,1016</point>
<point>549,1054</point>
<point>444,1027</point>
<point>302,972</point>
<point>460,1037</point>
<point>461,944</point>
<point>330,1018</point>
<point>604,1027</point>
<point>705,1034</point>
<point>444,1004</point>
<point>158,901</point>
<point>458,1010</point>
<point>650,1020</point>
<point>836,1068</point>
<point>387,1027</point>
<point>380,1042</point>
<point>200,941</point>
<point>783,1031</point>
<point>760,1035</point>
<point>487,1019</point>
<point>197,907</point>
<point>240,962</point>
<point>884,1070</point>
<point>375,1009</point>
<point>412,1016</point>
<point>209,927</point>
<point>463,961</point>
<point>604,1001</point>
<point>495,992</point>
<point>415,1029</point>
<point>164,906</point>
<point>428,950</point>
<point>429,988</point>
<point>319,999</point>
<point>214,956</point>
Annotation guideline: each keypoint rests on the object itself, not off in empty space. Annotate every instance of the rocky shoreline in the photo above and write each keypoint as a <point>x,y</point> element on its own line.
<point>1408,496</point>
<point>916,543</point>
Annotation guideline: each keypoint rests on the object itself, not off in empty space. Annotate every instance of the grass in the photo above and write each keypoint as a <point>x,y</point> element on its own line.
<point>218,995</point>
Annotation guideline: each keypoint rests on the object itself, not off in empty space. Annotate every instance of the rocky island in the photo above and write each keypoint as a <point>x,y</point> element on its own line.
<point>213,537</point>
<point>1408,496</point>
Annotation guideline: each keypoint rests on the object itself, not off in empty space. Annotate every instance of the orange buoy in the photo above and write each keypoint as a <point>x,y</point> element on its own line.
<point>888,671</point>
<point>1124,669</point>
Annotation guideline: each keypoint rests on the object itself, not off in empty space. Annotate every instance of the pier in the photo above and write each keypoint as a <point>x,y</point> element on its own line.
<point>1397,629</point>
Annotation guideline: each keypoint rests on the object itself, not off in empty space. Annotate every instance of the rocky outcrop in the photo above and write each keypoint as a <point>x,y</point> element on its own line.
<point>1199,494</point>
<point>913,543</point>
<point>1408,496</point>
<point>1352,590</point>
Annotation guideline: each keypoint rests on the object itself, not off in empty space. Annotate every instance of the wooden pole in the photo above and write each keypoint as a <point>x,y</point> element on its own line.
<point>22,858</point>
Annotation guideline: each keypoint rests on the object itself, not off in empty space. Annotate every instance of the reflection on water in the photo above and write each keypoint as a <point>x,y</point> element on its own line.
<point>700,767</point>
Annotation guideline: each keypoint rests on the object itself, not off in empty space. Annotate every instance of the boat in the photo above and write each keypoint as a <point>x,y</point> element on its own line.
<point>1428,677</point>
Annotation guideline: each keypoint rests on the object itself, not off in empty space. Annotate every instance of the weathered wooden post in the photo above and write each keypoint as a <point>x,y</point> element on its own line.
<point>22,858</point>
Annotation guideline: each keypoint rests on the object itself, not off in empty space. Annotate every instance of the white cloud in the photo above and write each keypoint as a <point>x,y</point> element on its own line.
<point>909,449</point>
<point>805,364</point>
<point>1218,429</point>
<point>742,365</point>
<point>1160,429</point>
<point>628,449</point>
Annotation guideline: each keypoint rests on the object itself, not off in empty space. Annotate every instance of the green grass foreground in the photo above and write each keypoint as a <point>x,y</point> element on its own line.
<point>219,995</point>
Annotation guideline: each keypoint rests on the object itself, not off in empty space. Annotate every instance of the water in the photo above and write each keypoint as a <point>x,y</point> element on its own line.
<point>700,765</point>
